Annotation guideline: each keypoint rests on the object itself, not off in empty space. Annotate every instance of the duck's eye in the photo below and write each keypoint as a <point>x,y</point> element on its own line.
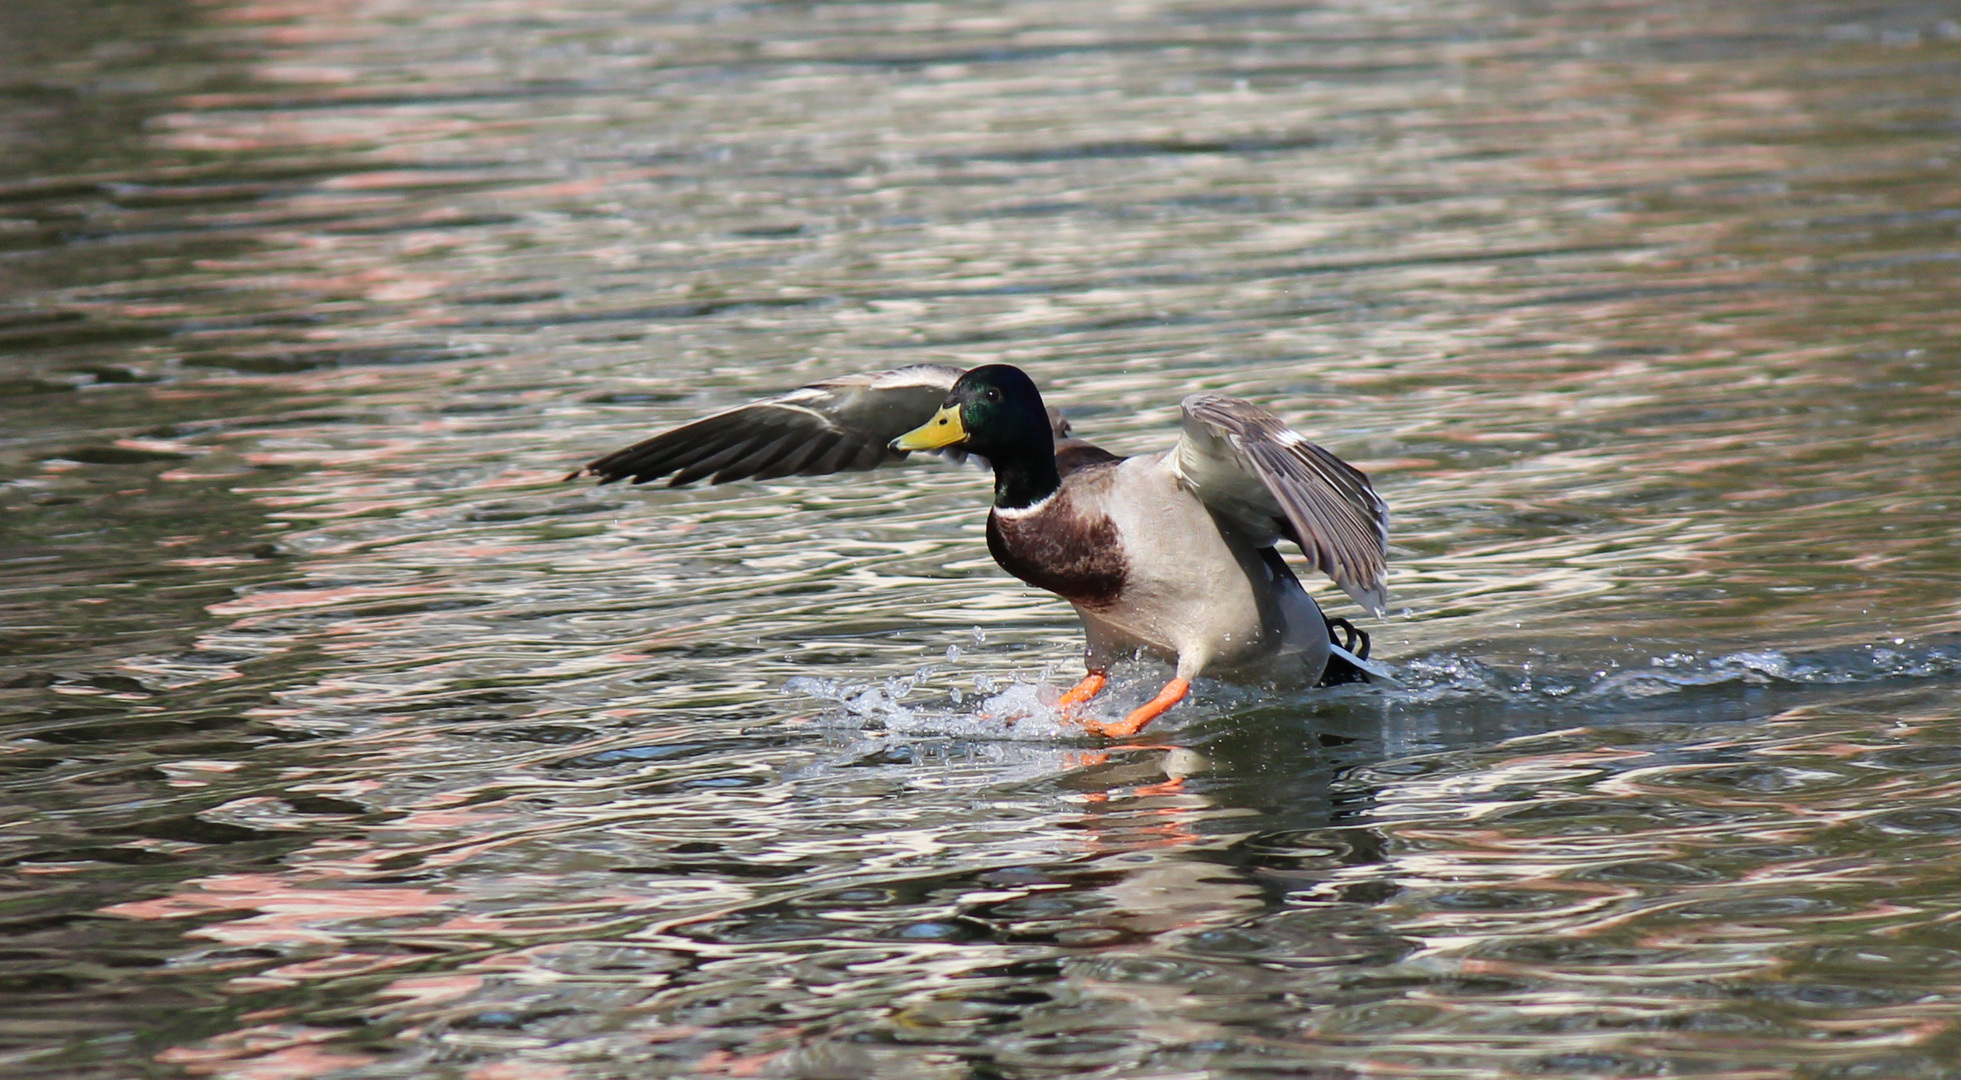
<point>994,395</point>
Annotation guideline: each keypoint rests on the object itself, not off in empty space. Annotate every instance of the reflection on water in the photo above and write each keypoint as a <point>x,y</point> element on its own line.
<point>340,737</point>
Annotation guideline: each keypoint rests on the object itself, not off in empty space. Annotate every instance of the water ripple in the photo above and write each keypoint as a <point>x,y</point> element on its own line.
<point>338,736</point>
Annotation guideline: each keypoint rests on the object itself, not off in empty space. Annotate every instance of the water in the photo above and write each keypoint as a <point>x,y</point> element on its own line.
<point>341,738</point>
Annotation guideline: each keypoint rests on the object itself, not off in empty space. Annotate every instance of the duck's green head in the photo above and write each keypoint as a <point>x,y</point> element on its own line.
<point>994,411</point>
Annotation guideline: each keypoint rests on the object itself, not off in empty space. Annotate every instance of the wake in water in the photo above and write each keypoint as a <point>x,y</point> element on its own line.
<point>1022,708</point>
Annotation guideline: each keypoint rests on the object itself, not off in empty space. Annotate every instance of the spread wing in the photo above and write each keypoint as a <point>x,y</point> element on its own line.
<point>1246,465</point>
<point>837,425</point>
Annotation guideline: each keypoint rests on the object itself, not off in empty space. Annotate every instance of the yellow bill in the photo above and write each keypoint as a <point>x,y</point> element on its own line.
<point>944,429</point>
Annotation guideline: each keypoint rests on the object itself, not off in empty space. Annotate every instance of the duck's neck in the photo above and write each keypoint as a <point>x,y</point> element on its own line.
<point>1025,479</point>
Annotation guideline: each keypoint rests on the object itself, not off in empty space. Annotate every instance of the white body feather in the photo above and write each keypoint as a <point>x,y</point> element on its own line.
<point>1194,595</point>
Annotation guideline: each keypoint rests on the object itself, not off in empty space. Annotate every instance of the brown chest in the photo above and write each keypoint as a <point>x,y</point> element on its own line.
<point>1076,556</point>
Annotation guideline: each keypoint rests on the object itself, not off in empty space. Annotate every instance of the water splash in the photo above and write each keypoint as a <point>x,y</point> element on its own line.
<point>1019,710</point>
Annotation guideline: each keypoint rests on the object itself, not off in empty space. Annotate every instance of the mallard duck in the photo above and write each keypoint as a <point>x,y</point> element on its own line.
<point>1170,554</point>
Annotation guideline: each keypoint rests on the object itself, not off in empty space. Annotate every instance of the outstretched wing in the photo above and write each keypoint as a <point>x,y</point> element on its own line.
<point>1246,465</point>
<point>837,425</point>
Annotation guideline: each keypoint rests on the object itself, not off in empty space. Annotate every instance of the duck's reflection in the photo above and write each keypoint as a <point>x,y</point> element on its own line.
<point>1052,893</point>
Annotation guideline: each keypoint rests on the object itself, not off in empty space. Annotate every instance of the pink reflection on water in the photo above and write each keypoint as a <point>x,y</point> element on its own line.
<point>264,1053</point>
<point>517,1070</point>
<point>307,598</point>
<point>288,912</point>
<point>426,990</point>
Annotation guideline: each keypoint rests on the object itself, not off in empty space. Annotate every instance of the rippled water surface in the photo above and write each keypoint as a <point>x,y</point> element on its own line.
<point>338,736</point>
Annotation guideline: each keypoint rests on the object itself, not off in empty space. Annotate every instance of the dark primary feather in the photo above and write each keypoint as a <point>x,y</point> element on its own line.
<point>837,425</point>
<point>1315,499</point>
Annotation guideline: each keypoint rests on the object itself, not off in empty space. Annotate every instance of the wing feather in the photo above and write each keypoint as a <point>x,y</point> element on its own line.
<point>710,463</point>
<point>1246,465</point>
<point>798,455</point>
<point>762,454</point>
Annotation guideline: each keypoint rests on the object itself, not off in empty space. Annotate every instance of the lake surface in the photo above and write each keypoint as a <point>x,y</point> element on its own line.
<point>338,736</point>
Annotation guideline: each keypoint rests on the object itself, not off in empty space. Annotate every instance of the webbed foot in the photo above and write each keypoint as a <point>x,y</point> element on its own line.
<point>1173,693</point>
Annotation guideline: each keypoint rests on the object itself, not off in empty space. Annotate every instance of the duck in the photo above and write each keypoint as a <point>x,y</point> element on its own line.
<point>1171,555</point>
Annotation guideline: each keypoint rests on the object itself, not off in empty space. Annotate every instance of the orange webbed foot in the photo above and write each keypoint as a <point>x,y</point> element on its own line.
<point>1092,685</point>
<point>1173,693</point>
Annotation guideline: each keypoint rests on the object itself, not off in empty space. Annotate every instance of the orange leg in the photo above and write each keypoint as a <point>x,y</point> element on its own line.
<point>1091,686</point>
<point>1173,693</point>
